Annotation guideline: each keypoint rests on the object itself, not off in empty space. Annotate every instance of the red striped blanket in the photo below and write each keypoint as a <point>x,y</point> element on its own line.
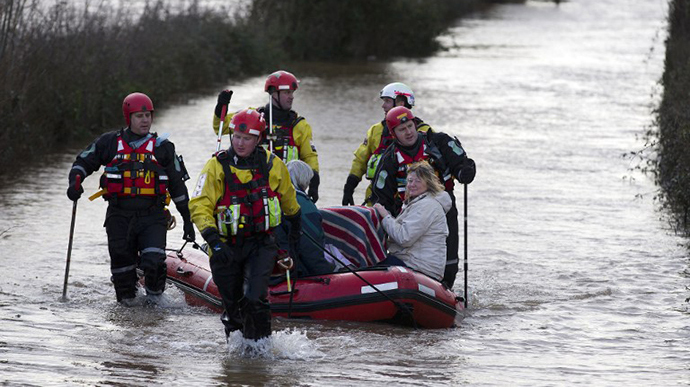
<point>356,231</point>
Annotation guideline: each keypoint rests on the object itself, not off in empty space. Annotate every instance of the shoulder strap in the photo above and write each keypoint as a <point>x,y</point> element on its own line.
<point>222,154</point>
<point>263,163</point>
<point>162,138</point>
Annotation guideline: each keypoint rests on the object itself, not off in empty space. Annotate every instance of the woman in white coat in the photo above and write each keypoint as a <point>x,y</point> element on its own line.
<point>417,237</point>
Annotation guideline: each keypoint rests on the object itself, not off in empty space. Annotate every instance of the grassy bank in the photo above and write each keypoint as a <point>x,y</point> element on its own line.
<point>65,70</point>
<point>359,29</point>
<point>672,166</point>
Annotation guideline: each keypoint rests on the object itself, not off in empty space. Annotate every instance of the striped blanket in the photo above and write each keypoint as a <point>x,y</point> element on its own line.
<point>357,232</point>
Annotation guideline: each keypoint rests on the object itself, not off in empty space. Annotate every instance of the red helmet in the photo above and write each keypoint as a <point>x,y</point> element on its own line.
<point>281,80</point>
<point>397,116</point>
<point>136,102</point>
<point>248,121</point>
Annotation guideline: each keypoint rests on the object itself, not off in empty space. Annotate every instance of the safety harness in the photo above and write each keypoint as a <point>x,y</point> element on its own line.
<point>283,138</point>
<point>387,139</point>
<point>134,171</point>
<point>428,152</point>
<point>247,208</point>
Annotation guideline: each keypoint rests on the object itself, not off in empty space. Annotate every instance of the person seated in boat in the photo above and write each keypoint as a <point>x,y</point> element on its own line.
<point>309,255</point>
<point>417,236</point>
<point>240,197</point>
<point>377,139</point>
<point>443,152</point>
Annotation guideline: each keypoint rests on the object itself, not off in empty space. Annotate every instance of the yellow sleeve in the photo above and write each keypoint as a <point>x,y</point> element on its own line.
<point>365,150</point>
<point>208,191</point>
<point>279,180</point>
<point>303,139</point>
<point>424,127</point>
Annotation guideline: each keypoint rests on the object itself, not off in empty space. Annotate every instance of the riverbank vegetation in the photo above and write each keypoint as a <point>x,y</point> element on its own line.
<point>65,69</point>
<point>671,138</point>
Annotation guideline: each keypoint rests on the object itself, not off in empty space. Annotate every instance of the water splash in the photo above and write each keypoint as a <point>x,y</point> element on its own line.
<point>285,344</point>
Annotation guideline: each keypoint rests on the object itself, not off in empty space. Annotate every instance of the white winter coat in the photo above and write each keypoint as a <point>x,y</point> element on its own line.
<point>418,235</point>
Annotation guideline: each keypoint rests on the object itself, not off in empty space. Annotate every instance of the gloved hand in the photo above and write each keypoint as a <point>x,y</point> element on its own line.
<point>349,190</point>
<point>284,261</point>
<point>223,100</point>
<point>188,228</point>
<point>219,250</point>
<point>469,170</point>
<point>75,190</point>
<point>189,234</point>
<point>313,191</point>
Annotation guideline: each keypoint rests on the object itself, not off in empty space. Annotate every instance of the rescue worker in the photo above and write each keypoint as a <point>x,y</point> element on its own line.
<point>240,197</point>
<point>447,157</point>
<point>290,138</point>
<point>141,168</point>
<point>378,138</point>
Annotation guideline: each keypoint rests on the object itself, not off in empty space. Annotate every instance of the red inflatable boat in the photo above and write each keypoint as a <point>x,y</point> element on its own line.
<point>395,295</point>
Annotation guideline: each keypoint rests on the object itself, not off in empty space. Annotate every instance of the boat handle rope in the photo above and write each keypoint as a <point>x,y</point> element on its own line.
<point>399,305</point>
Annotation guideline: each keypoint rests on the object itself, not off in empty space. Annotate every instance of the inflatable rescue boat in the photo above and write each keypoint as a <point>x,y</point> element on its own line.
<point>396,295</point>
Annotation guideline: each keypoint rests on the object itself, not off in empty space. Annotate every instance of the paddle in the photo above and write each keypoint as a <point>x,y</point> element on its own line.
<point>71,236</point>
<point>400,306</point>
<point>291,288</point>
<point>223,112</point>
<point>270,122</point>
<point>465,227</point>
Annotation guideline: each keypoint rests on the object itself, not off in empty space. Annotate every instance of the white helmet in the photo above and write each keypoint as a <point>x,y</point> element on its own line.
<point>398,89</point>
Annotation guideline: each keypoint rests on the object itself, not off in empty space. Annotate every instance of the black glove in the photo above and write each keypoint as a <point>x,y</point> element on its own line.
<point>313,191</point>
<point>219,250</point>
<point>469,170</point>
<point>189,234</point>
<point>223,100</point>
<point>75,190</point>
<point>349,190</point>
<point>188,228</point>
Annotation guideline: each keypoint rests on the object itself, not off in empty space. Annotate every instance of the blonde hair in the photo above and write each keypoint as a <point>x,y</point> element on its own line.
<point>426,173</point>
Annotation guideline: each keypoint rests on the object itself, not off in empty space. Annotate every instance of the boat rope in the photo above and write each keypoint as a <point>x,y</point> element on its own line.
<point>397,304</point>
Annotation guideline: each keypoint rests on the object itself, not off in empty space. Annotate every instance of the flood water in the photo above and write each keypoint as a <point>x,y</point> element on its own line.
<point>574,277</point>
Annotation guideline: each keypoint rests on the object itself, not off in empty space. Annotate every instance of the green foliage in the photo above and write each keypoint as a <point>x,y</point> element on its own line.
<point>359,29</point>
<point>673,163</point>
<point>64,71</point>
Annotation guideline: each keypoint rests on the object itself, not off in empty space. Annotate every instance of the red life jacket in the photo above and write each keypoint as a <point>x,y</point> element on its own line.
<point>425,152</point>
<point>134,172</point>
<point>387,139</point>
<point>282,139</point>
<point>247,208</point>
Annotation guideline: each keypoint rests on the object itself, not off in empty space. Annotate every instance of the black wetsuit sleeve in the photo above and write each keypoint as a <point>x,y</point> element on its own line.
<point>384,186</point>
<point>97,154</point>
<point>174,169</point>
<point>452,151</point>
